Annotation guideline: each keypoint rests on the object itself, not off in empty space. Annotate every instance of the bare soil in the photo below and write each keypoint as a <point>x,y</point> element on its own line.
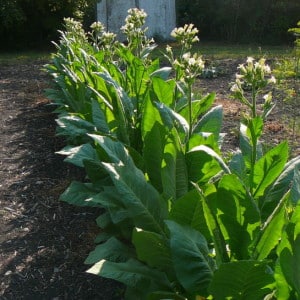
<point>44,242</point>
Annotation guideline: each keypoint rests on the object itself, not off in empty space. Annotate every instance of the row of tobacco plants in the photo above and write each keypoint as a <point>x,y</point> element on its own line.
<point>181,220</point>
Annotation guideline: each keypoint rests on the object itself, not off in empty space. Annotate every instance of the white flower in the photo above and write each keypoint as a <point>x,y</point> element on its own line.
<point>272,80</point>
<point>249,60</point>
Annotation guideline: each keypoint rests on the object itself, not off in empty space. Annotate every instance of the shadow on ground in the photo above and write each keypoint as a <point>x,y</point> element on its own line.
<point>43,242</point>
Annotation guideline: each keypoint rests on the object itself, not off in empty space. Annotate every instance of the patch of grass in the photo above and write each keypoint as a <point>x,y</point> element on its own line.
<point>26,56</point>
<point>213,50</point>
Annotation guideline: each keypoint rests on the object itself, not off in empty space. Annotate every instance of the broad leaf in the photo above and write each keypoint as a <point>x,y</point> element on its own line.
<point>77,155</point>
<point>282,184</point>
<point>164,90</point>
<point>289,251</point>
<point>191,258</point>
<point>204,163</point>
<point>99,118</point>
<point>268,168</point>
<point>271,233</point>
<point>133,274</point>
<point>145,206</point>
<point>211,122</point>
<point>241,280</point>
<point>188,210</point>
<point>238,215</point>
<point>159,256</point>
<point>80,194</point>
<point>112,250</point>
<point>174,170</point>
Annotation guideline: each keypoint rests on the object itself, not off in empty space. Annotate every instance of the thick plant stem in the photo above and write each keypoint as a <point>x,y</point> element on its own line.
<point>190,118</point>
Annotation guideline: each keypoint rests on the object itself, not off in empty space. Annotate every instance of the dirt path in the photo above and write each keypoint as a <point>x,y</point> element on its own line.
<point>43,242</point>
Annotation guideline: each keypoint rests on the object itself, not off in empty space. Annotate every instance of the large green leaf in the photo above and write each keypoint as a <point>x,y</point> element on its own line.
<point>99,118</point>
<point>199,107</point>
<point>191,258</point>
<point>145,206</point>
<point>282,184</point>
<point>208,199</point>
<point>112,250</point>
<point>211,122</point>
<point>271,232</point>
<point>164,90</point>
<point>174,170</point>
<point>111,150</point>
<point>143,279</point>
<point>81,194</point>
<point>238,215</point>
<point>241,280</point>
<point>204,163</point>
<point>295,189</point>
<point>268,168</point>
<point>77,155</point>
<point>153,249</point>
<point>154,142</point>
<point>188,210</point>
<point>73,126</point>
<point>289,251</point>
<point>173,119</point>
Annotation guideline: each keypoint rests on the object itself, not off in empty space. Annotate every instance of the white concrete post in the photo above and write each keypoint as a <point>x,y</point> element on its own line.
<point>160,21</point>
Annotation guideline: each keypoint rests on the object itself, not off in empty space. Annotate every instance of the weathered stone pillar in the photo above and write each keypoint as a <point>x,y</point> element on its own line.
<point>160,21</point>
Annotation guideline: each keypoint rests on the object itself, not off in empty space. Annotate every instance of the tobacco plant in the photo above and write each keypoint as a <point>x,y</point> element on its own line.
<point>180,221</point>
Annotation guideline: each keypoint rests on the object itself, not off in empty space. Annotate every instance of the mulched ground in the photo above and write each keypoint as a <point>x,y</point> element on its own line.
<point>44,242</point>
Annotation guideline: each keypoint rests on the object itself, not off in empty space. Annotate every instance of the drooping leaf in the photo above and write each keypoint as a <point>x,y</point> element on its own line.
<point>99,118</point>
<point>281,185</point>
<point>238,215</point>
<point>271,233</point>
<point>211,122</point>
<point>289,251</point>
<point>77,155</point>
<point>191,259</point>
<point>268,168</point>
<point>143,279</point>
<point>153,249</point>
<point>80,194</point>
<point>145,206</point>
<point>112,250</point>
<point>164,90</point>
<point>174,169</point>
<point>188,211</point>
<point>73,126</point>
<point>245,279</point>
<point>172,119</point>
<point>203,164</point>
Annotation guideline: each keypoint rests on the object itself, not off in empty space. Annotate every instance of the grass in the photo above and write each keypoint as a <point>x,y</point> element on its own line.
<point>23,56</point>
<point>211,50</point>
<point>214,50</point>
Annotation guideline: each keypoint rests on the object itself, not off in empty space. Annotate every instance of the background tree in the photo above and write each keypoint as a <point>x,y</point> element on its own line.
<point>261,21</point>
<point>34,23</point>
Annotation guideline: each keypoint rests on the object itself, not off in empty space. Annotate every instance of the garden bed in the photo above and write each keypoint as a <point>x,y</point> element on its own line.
<point>44,242</point>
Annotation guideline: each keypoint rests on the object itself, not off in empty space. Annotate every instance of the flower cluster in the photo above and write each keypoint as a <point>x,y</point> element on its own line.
<point>135,19</point>
<point>74,30</point>
<point>255,76</point>
<point>186,35</point>
<point>135,30</point>
<point>192,66</point>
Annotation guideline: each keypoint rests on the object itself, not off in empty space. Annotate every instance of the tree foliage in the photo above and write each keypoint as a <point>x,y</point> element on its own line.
<point>241,20</point>
<point>32,23</point>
